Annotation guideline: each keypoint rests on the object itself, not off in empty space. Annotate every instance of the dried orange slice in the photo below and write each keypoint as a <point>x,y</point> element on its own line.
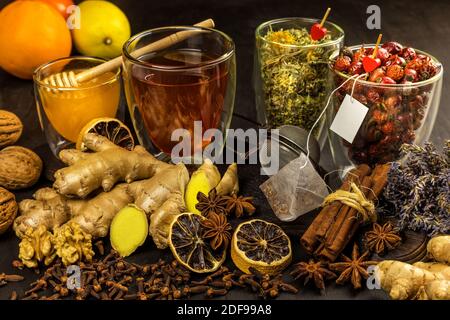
<point>189,246</point>
<point>261,245</point>
<point>111,128</point>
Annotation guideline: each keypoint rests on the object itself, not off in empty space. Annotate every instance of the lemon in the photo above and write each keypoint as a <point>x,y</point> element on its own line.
<point>261,245</point>
<point>190,248</point>
<point>104,28</point>
<point>111,128</point>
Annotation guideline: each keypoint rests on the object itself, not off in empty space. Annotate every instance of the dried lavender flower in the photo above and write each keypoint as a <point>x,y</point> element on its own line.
<point>417,192</point>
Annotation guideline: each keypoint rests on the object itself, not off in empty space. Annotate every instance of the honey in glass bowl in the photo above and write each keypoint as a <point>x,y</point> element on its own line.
<point>89,101</point>
<point>63,112</point>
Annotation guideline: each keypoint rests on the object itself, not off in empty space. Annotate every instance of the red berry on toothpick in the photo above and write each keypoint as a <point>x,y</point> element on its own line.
<point>318,31</point>
<point>371,62</point>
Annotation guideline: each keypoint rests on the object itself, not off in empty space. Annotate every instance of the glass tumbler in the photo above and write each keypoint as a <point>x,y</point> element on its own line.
<point>63,112</point>
<point>397,114</point>
<point>177,93</point>
<point>292,81</point>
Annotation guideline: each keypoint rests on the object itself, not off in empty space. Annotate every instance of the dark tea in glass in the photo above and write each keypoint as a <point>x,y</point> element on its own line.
<point>173,88</point>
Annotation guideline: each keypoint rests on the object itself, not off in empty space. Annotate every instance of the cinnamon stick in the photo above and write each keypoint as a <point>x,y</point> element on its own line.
<point>317,231</point>
<point>371,187</point>
<point>347,219</point>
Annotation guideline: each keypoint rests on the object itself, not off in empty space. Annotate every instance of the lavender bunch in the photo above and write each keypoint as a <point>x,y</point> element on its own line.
<point>417,192</point>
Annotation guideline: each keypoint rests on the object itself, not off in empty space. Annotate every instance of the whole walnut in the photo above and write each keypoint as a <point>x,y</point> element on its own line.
<point>10,128</point>
<point>19,168</point>
<point>8,209</point>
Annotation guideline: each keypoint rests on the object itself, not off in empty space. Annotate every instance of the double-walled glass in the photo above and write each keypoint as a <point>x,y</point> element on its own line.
<point>63,112</point>
<point>292,82</point>
<point>188,86</point>
<point>397,114</point>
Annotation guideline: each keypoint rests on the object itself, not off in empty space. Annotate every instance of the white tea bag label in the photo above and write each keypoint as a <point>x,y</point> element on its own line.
<point>349,118</point>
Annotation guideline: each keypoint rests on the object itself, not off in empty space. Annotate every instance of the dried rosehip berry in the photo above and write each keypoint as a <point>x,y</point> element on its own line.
<point>379,116</point>
<point>387,80</point>
<point>376,75</point>
<point>395,60</point>
<point>392,47</point>
<point>395,72</point>
<point>415,64</point>
<point>409,53</point>
<point>360,97</point>
<point>342,63</point>
<point>356,68</point>
<point>428,70</point>
<point>421,56</point>
<point>405,119</point>
<point>392,101</point>
<point>410,75</point>
<point>387,128</point>
<point>358,55</point>
<point>382,54</point>
<point>373,96</point>
<point>416,103</point>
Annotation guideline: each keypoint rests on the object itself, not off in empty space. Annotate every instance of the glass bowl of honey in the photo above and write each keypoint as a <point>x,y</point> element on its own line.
<point>64,111</point>
<point>181,97</point>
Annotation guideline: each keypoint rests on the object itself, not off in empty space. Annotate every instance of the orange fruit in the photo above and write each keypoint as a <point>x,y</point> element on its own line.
<point>31,33</point>
<point>60,5</point>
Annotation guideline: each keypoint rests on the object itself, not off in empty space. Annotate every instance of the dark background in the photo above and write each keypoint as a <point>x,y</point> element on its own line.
<point>422,24</point>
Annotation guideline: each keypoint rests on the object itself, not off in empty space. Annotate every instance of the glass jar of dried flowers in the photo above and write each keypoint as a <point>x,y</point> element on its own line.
<point>291,74</point>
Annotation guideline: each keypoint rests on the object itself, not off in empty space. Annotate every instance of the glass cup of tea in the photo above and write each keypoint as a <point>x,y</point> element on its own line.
<point>62,111</point>
<point>177,93</point>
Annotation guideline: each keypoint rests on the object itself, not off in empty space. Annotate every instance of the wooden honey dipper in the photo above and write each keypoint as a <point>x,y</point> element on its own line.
<point>70,79</point>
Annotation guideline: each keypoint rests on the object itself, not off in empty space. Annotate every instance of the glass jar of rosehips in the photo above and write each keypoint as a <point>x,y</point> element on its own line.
<point>402,96</point>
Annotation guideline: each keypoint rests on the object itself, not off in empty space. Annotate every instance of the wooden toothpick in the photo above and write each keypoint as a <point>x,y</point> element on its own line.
<point>325,17</point>
<point>375,50</point>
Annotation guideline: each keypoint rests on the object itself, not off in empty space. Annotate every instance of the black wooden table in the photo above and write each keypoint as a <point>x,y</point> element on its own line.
<point>422,24</point>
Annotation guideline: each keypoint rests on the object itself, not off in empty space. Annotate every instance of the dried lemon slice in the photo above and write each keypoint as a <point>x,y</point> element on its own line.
<point>189,246</point>
<point>261,245</point>
<point>111,128</point>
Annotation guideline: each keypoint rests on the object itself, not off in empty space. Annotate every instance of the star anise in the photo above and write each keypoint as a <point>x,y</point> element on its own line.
<point>313,270</point>
<point>353,269</point>
<point>382,238</point>
<point>217,229</point>
<point>240,205</point>
<point>211,203</point>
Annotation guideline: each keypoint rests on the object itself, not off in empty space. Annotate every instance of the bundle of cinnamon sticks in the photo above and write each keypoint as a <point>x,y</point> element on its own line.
<point>337,223</point>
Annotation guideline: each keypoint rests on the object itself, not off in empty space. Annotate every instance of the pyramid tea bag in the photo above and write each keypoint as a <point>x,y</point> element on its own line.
<point>295,190</point>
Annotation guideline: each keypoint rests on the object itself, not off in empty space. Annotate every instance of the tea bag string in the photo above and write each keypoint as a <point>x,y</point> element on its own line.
<point>355,199</point>
<point>355,78</point>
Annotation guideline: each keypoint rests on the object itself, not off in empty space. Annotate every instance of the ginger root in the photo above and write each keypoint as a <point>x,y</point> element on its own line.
<point>129,229</point>
<point>437,290</point>
<point>105,167</point>
<point>74,222</point>
<point>48,209</point>
<point>441,268</point>
<point>203,180</point>
<point>439,249</point>
<point>230,182</point>
<point>403,281</point>
<point>422,280</point>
